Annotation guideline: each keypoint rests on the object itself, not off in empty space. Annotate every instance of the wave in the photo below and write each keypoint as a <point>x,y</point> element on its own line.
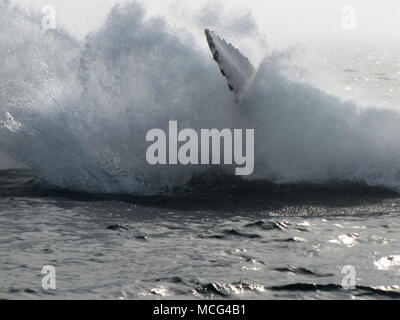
<point>77,113</point>
<point>239,289</point>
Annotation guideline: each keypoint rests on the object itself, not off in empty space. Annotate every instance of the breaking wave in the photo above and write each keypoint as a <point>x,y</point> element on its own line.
<point>77,113</point>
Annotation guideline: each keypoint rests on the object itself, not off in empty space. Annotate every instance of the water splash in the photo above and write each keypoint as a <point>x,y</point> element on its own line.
<point>77,114</point>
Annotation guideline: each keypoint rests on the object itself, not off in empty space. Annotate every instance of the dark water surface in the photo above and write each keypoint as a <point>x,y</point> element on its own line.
<point>288,242</point>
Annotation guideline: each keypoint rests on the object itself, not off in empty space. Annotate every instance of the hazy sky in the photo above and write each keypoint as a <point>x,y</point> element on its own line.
<point>278,19</point>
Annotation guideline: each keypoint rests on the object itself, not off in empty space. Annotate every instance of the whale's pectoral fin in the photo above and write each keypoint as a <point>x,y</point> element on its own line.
<point>234,66</point>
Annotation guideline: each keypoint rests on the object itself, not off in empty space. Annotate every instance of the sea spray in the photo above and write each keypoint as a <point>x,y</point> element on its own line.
<point>83,110</point>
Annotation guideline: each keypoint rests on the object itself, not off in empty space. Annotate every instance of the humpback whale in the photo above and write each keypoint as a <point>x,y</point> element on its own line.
<point>234,66</point>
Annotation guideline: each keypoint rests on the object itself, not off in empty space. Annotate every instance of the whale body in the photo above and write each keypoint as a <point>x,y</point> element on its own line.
<point>234,66</point>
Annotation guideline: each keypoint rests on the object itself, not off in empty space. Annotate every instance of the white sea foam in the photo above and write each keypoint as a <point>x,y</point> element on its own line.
<point>83,110</point>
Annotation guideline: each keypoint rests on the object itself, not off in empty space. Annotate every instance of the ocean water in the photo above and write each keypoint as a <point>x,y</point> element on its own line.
<point>324,194</point>
<point>290,243</point>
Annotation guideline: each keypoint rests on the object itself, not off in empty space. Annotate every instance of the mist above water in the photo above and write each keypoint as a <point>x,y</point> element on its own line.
<point>77,113</point>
